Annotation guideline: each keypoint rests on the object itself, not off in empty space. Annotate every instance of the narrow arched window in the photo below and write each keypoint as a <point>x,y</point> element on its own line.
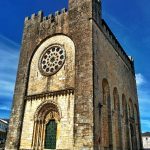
<point>131,109</point>
<point>126,138</point>
<point>50,135</point>
<point>106,130</point>
<point>117,120</point>
<point>133,137</point>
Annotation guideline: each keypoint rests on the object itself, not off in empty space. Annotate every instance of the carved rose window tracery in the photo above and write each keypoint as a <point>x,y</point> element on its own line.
<point>52,59</point>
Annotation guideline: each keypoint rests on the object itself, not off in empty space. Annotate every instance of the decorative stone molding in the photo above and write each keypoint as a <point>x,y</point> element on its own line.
<point>50,94</point>
<point>46,111</point>
<point>47,105</point>
<point>52,59</point>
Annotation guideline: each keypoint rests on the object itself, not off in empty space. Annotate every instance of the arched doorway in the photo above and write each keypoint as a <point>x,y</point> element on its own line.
<point>46,121</point>
<point>50,135</point>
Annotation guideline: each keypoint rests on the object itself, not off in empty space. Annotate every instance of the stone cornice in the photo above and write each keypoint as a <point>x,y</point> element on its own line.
<point>50,94</point>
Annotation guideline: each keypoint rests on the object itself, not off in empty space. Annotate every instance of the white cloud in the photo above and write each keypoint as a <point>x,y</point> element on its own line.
<point>5,108</point>
<point>144,102</point>
<point>6,87</point>
<point>140,79</point>
<point>9,51</point>
<point>9,54</point>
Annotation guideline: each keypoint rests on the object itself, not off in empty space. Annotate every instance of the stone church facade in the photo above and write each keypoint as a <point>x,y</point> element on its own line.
<point>75,87</point>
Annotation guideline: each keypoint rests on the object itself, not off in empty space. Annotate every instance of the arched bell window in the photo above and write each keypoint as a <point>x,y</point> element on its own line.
<point>46,121</point>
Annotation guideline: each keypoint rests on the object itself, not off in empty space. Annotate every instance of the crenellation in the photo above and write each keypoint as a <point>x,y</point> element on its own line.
<point>39,17</point>
<point>27,18</point>
<point>57,13</point>
<point>45,18</point>
<point>64,10</point>
<point>40,13</point>
<point>131,58</point>
<point>50,16</point>
<point>41,25</point>
<point>33,16</point>
<point>117,45</point>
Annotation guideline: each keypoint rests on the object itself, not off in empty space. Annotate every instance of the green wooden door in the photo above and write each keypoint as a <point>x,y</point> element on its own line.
<point>50,135</point>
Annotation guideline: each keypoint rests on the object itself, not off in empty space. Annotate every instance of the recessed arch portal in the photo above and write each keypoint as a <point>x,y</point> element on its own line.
<point>46,118</point>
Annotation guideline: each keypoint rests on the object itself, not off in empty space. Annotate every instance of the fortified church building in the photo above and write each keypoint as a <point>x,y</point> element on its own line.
<point>75,87</point>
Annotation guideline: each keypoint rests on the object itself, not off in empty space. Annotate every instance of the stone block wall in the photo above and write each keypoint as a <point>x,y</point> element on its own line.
<point>83,88</point>
<point>109,64</point>
<point>63,79</point>
<point>65,125</point>
<point>37,84</point>
<point>36,30</point>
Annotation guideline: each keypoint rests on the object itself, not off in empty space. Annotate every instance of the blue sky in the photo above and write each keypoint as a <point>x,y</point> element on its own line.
<point>129,21</point>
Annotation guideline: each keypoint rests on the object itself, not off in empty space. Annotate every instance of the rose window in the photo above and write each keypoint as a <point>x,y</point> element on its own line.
<point>52,60</point>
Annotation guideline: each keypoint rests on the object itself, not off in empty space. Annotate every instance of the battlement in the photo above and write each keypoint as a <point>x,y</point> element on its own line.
<point>39,17</point>
<point>38,26</point>
<point>111,37</point>
<point>57,20</point>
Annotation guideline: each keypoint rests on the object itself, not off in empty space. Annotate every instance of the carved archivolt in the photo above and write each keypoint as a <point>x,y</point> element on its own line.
<point>46,108</point>
<point>47,111</point>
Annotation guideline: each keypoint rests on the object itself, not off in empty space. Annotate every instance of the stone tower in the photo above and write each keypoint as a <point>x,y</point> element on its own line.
<point>75,87</point>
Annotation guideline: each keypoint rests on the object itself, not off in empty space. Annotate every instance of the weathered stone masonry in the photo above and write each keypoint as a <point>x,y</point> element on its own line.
<point>92,96</point>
